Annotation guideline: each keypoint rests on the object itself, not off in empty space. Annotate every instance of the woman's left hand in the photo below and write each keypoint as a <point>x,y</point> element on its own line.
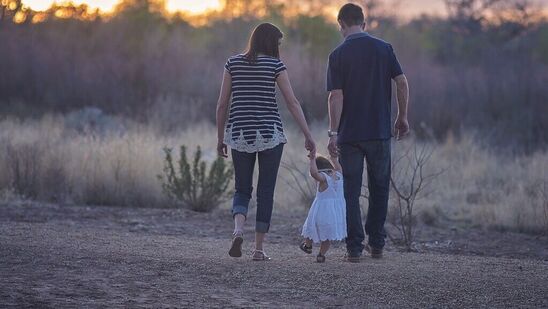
<point>222,149</point>
<point>310,145</point>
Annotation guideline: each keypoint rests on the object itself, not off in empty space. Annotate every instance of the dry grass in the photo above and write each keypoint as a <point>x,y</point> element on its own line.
<point>55,162</point>
<point>48,160</point>
<point>489,189</point>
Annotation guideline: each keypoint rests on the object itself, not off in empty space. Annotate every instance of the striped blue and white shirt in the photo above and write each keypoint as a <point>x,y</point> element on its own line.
<point>254,122</point>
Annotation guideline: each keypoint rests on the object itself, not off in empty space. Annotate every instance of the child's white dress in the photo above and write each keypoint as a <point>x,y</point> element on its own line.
<point>327,217</point>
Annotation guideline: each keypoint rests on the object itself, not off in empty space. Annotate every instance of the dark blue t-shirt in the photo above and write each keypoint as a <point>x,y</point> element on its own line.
<point>363,68</point>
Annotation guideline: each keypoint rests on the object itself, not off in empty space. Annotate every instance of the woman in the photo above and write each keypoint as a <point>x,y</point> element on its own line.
<point>254,128</point>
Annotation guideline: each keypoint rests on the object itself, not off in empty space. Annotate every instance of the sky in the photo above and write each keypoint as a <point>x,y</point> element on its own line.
<point>191,6</point>
<point>407,7</point>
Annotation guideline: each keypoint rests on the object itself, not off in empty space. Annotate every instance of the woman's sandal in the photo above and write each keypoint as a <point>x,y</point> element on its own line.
<point>259,255</point>
<point>236,247</point>
<point>305,248</point>
<point>320,258</point>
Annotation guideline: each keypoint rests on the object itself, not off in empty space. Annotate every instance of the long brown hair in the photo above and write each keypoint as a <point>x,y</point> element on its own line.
<point>264,40</point>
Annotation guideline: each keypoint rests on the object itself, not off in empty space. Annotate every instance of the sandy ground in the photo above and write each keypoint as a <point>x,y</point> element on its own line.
<point>95,257</point>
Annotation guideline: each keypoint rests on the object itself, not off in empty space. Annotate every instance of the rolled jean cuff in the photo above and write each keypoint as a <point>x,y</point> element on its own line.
<point>262,227</point>
<point>239,210</point>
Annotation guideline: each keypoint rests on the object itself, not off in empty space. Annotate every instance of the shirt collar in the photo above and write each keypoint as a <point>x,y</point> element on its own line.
<point>356,36</point>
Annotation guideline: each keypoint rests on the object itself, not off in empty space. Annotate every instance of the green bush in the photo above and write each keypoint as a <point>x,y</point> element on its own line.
<point>194,186</point>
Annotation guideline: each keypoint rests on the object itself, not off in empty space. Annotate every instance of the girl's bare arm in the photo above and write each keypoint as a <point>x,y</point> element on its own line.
<point>314,170</point>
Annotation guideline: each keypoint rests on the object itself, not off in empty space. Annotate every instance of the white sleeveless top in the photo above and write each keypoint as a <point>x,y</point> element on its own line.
<point>327,217</point>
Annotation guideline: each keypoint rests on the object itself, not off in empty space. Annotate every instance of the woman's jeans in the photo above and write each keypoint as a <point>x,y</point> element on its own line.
<point>377,156</point>
<point>244,164</point>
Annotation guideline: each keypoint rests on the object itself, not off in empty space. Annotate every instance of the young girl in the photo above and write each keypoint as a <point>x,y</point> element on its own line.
<point>326,219</point>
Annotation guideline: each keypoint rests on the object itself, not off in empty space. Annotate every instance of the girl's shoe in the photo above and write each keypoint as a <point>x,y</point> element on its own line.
<point>236,247</point>
<point>259,255</point>
<point>307,249</point>
<point>320,258</point>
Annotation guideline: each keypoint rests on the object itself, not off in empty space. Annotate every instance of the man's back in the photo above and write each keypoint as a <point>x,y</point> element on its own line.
<point>363,67</point>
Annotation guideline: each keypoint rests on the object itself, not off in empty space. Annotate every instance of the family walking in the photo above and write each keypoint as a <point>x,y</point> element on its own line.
<point>359,82</point>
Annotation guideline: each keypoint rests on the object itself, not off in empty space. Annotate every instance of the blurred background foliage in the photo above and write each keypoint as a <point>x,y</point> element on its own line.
<point>481,67</point>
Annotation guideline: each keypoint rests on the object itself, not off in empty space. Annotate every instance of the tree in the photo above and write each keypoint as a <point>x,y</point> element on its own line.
<point>11,10</point>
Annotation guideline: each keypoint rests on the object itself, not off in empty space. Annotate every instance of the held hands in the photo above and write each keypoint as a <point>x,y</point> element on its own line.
<point>332,147</point>
<point>401,127</point>
<point>310,145</point>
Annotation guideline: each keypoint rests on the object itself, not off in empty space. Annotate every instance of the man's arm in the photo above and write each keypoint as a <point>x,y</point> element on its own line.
<point>401,127</point>
<point>335,109</point>
<point>335,106</point>
<point>336,163</point>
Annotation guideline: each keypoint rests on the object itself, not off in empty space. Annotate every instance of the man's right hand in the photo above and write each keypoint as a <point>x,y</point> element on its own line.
<point>401,128</point>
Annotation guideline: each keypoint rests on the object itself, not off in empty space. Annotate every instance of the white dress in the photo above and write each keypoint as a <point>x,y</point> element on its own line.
<point>327,217</point>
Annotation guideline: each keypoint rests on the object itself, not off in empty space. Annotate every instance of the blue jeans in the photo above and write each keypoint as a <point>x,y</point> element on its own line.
<point>377,156</point>
<point>244,164</point>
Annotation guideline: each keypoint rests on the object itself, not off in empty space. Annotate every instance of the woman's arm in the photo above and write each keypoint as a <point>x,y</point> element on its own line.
<point>222,113</point>
<point>295,109</point>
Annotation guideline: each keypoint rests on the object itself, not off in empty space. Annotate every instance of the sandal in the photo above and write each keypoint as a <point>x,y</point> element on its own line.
<point>305,248</point>
<point>320,258</point>
<point>260,255</point>
<point>236,247</point>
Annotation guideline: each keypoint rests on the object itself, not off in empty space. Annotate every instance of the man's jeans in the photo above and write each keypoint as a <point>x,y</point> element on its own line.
<point>377,155</point>
<point>244,164</point>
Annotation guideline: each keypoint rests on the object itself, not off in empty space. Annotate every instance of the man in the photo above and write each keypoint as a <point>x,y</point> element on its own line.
<point>359,81</point>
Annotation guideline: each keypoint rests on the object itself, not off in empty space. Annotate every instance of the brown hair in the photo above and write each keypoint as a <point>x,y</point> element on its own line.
<point>323,163</point>
<point>351,14</point>
<point>264,40</point>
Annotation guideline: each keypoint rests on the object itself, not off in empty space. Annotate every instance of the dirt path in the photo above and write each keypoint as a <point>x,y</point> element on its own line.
<point>61,257</point>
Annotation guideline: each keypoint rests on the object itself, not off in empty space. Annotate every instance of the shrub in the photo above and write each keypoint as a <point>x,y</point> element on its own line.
<point>408,182</point>
<point>299,180</point>
<point>194,186</point>
<point>24,165</point>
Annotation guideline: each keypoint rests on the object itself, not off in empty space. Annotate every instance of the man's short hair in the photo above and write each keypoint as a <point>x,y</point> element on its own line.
<point>351,14</point>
